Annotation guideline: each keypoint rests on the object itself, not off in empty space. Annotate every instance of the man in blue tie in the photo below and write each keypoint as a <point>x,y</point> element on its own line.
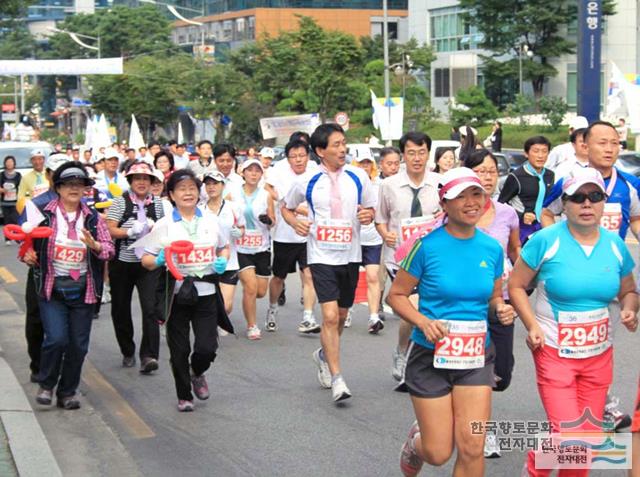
<point>526,188</point>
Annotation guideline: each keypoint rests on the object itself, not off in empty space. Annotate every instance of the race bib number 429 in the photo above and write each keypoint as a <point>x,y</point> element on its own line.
<point>334,234</point>
<point>463,347</point>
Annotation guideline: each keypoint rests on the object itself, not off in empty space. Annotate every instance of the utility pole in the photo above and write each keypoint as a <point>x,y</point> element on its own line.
<point>385,41</point>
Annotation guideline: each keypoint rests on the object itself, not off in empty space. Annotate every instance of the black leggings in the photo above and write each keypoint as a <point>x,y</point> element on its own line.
<point>502,337</point>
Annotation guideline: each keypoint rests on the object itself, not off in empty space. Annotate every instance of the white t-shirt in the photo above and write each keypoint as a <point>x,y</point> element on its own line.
<point>369,236</point>
<point>102,182</point>
<point>207,236</point>
<point>229,215</point>
<point>328,238</point>
<point>180,162</point>
<point>256,236</point>
<point>69,254</point>
<point>559,154</point>
<point>282,178</point>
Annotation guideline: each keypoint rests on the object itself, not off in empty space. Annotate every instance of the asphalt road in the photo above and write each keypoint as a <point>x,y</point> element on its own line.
<point>267,414</point>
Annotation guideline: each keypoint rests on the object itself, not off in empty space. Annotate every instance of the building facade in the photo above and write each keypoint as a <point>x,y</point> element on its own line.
<point>458,64</point>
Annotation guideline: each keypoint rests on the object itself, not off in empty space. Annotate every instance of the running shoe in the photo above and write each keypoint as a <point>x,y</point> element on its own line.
<point>253,333</point>
<point>410,462</point>
<point>324,375</point>
<point>44,396</point>
<point>491,447</point>
<point>309,325</point>
<point>270,323</point>
<point>106,294</point>
<point>375,326</point>
<point>68,403</point>
<point>612,414</point>
<point>282,299</point>
<point>347,321</point>
<point>128,361</point>
<point>200,387</point>
<point>339,390</point>
<point>148,365</point>
<point>185,406</point>
<point>399,363</point>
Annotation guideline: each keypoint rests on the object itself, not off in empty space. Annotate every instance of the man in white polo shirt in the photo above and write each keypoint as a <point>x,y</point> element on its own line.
<point>406,201</point>
<point>340,198</point>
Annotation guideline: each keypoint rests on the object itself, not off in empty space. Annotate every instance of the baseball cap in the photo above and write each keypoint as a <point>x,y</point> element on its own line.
<point>362,153</point>
<point>464,130</point>
<point>140,168</point>
<point>55,160</point>
<point>456,180</point>
<point>72,173</point>
<point>111,152</point>
<point>581,176</point>
<point>158,175</point>
<point>251,162</point>
<point>214,175</point>
<point>267,152</point>
<point>97,158</point>
<point>579,122</point>
<point>37,152</point>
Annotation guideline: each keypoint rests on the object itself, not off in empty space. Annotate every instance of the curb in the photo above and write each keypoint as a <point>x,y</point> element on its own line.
<point>28,445</point>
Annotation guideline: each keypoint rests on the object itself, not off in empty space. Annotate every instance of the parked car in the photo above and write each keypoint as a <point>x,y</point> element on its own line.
<point>503,171</point>
<point>629,162</point>
<point>515,158</point>
<point>22,152</point>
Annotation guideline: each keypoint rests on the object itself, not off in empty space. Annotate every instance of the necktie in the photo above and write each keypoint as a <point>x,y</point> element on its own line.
<point>72,234</point>
<point>39,178</point>
<point>335,196</point>
<point>542,188</point>
<point>416,208</point>
<point>142,217</point>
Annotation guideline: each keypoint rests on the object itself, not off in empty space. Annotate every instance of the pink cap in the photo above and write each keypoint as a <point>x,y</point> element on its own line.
<point>580,176</point>
<point>456,180</point>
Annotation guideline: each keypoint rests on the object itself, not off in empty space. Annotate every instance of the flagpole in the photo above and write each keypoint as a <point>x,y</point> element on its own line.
<point>385,42</point>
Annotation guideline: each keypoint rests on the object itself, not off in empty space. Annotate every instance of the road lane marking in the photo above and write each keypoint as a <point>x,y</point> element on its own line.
<point>115,403</point>
<point>7,276</point>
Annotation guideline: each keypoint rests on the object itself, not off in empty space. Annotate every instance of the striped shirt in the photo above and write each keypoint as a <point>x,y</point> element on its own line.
<point>116,213</point>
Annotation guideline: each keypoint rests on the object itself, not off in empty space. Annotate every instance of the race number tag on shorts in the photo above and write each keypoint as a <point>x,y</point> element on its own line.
<point>582,334</point>
<point>251,239</point>
<point>197,261</point>
<point>334,234</point>
<point>10,192</point>
<point>612,217</point>
<point>411,225</point>
<point>69,254</point>
<point>463,347</point>
<point>39,189</point>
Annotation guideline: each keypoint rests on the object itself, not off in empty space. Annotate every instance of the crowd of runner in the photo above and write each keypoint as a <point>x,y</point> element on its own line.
<point>464,259</point>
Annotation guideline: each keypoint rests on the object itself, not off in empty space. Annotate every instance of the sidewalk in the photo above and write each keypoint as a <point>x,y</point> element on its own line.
<point>24,449</point>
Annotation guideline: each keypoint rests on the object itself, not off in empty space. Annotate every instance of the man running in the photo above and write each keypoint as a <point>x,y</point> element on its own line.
<point>290,248</point>
<point>204,163</point>
<point>340,198</point>
<point>35,181</point>
<point>407,201</point>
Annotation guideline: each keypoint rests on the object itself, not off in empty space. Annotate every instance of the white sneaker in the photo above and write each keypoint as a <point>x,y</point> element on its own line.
<point>106,294</point>
<point>399,363</point>
<point>324,375</point>
<point>375,326</point>
<point>309,325</point>
<point>253,333</point>
<point>270,323</point>
<point>347,321</point>
<point>491,447</point>
<point>339,390</point>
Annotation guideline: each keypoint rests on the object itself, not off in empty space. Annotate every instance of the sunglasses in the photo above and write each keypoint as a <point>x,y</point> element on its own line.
<point>581,197</point>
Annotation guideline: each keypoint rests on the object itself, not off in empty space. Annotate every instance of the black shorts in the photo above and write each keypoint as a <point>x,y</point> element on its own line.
<point>285,256</point>
<point>425,381</point>
<point>335,282</point>
<point>230,277</point>
<point>371,254</point>
<point>261,261</point>
<point>392,276</point>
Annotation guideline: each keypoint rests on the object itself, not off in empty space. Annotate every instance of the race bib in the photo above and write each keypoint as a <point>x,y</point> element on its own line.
<point>411,225</point>
<point>463,347</point>
<point>69,255</point>
<point>612,217</point>
<point>197,261</point>
<point>582,334</point>
<point>334,234</point>
<point>10,192</point>
<point>251,239</point>
<point>39,189</point>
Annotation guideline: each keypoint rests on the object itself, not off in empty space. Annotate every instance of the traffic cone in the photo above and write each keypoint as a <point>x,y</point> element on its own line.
<point>361,289</point>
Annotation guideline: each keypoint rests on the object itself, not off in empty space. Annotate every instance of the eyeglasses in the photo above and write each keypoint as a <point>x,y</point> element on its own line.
<point>581,197</point>
<point>421,153</point>
<point>486,172</point>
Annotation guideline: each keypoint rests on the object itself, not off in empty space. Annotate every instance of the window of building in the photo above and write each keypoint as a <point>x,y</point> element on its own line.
<point>441,78</point>
<point>449,31</point>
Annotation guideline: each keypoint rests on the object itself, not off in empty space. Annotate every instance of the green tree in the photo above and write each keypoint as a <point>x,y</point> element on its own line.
<point>540,25</point>
<point>472,107</point>
<point>14,8</point>
<point>554,109</point>
<point>16,42</point>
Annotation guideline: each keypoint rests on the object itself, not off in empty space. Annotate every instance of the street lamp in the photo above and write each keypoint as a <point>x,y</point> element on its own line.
<point>522,48</point>
<point>76,37</point>
<point>177,14</point>
<point>402,69</point>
